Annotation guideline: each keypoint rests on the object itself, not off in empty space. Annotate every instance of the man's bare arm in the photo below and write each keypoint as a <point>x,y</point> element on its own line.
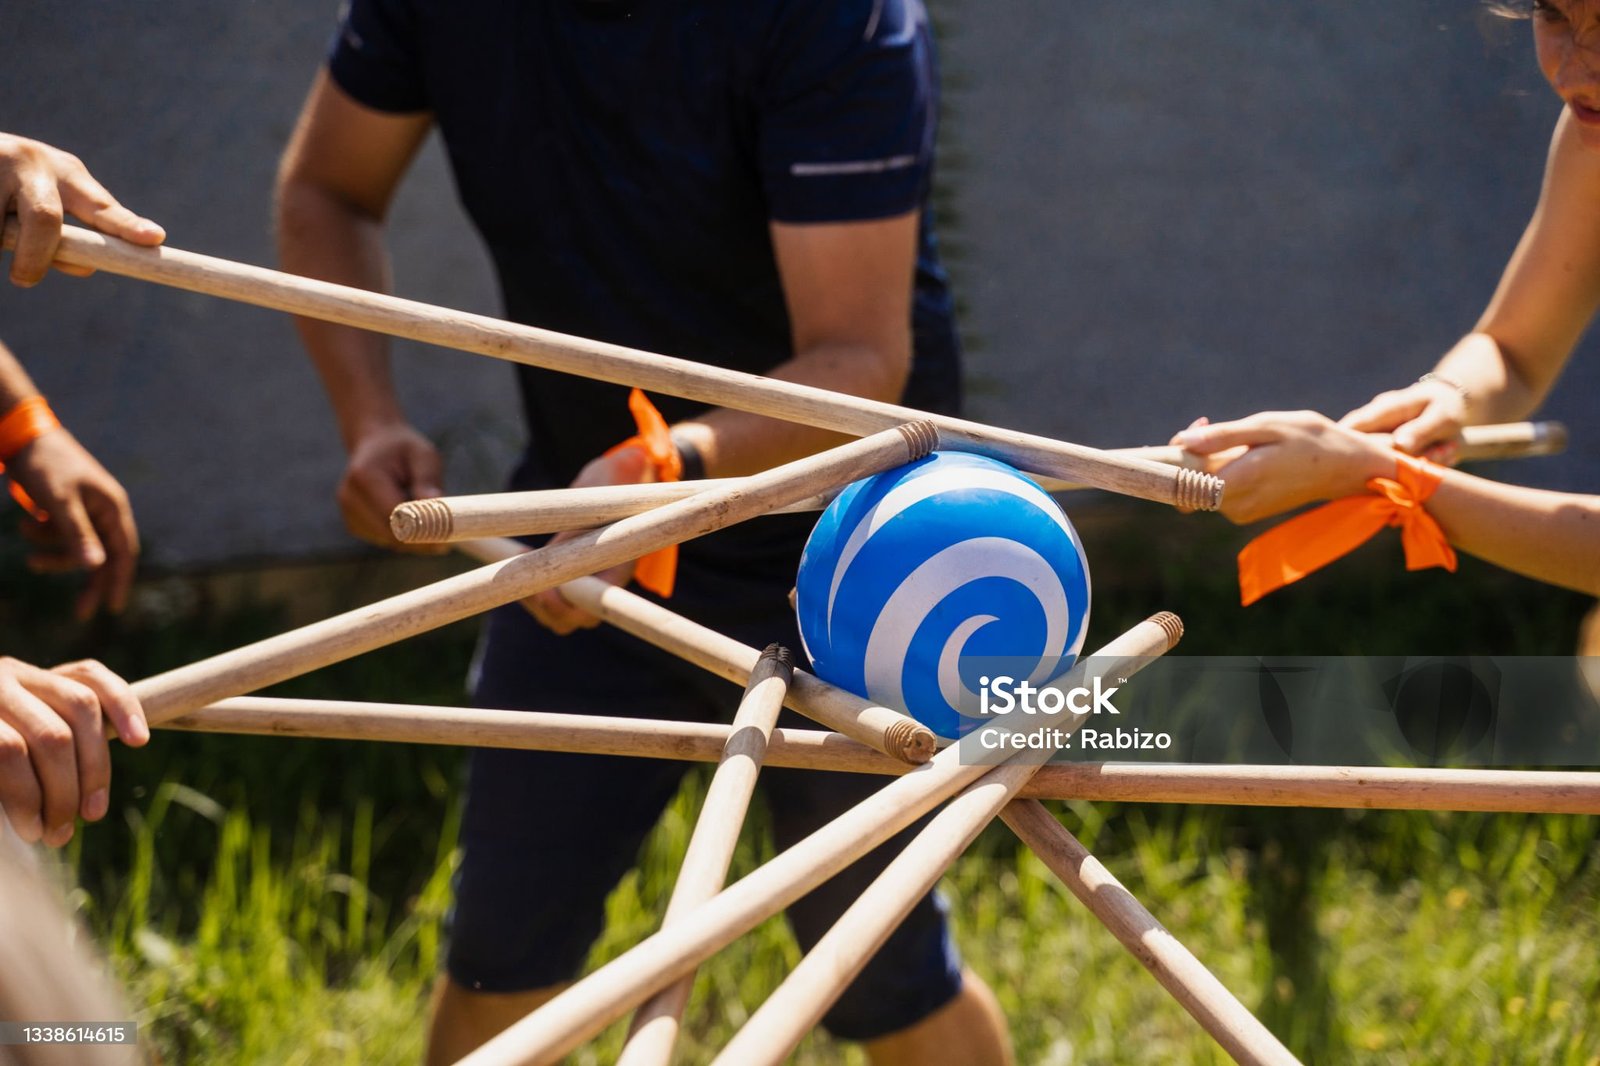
<point>335,184</point>
<point>848,287</point>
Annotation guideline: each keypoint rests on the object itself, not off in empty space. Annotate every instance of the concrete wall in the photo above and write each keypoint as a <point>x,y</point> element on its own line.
<point>210,411</point>
<point>1172,209</point>
<point>1162,210</point>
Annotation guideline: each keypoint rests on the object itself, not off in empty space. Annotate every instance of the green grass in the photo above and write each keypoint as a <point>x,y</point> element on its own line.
<point>270,900</point>
<point>290,958</point>
<point>1445,939</point>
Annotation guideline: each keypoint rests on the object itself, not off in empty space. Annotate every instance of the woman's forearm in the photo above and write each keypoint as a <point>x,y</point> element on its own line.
<point>1550,536</point>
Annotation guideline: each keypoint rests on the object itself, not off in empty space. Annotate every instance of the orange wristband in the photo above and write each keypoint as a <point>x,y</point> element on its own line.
<point>25,423</point>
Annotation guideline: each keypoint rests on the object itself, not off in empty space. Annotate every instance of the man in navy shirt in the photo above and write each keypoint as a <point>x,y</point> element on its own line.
<point>740,182</point>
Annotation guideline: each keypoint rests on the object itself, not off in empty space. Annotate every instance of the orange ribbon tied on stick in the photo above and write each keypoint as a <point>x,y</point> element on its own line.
<point>1308,542</point>
<point>657,571</point>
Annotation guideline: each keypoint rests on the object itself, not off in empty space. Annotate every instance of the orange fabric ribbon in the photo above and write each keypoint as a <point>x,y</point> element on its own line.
<point>25,423</point>
<point>657,571</point>
<point>1306,543</point>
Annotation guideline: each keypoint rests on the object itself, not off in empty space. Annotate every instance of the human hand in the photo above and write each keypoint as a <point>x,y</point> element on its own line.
<point>1209,463</point>
<point>388,466</point>
<point>88,522</point>
<point>1425,418</point>
<point>55,764</point>
<point>41,184</point>
<point>1292,458</point>
<point>630,466</point>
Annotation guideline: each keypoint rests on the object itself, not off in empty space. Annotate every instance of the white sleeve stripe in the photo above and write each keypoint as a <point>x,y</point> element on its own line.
<point>856,166</point>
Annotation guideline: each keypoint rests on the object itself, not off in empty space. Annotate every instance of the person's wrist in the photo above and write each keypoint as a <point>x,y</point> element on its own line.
<point>39,453</point>
<point>1450,385</point>
<point>29,419</point>
<point>691,441</point>
<point>1373,461</point>
<point>368,426</point>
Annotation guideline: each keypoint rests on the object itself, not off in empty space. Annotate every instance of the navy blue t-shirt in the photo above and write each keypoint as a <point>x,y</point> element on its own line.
<point>622,160</point>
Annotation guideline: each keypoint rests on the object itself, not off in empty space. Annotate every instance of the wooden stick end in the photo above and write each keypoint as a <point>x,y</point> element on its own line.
<point>421,522</point>
<point>922,438</point>
<point>776,661</point>
<point>1171,625</point>
<point>1197,490</point>
<point>910,742</point>
<point>1550,438</point>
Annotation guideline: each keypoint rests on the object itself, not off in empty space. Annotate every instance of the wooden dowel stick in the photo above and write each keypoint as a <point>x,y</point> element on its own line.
<point>1345,787</point>
<point>492,549</point>
<point>1513,440</point>
<point>299,651</point>
<point>1378,788</point>
<point>1195,988</point>
<point>532,346</point>
<point>448,519</point>
<point>473,727</point>
<point>710,851</point>
<point>1500,440</point>
<point>779,1025</point>
<point>621,985</point>
<point>801,1000</point>
<point>883,728</point>
<point>1349,787</point>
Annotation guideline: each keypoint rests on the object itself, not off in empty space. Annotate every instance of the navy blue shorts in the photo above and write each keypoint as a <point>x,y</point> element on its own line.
<point>545,836</point>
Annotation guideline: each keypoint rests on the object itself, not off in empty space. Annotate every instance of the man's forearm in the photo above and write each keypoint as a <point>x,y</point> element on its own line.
<point>735,443</point>
<point>320,237</point>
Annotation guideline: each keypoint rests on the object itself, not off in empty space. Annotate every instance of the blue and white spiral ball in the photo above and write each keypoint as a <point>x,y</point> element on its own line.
<point>911,570</point>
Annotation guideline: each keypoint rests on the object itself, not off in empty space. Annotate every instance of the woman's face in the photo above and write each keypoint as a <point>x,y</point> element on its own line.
<point>1566,34</point>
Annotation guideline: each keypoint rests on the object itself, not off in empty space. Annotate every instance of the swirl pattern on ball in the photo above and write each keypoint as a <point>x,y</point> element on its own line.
<point>910,571</point>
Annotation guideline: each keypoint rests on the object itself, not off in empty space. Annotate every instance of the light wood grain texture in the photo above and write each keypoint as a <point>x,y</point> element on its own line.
<point>581,1011</point>
<point>1353,787</point>
<point>624,366</point>
<point>776,1028</point>
<point>1195,988</point>
<point>1512,440</point>
<point>299,651</point>
<point>883,728</point>
<point>800,1001</point>
<point>710,851</point>
<point>880,727</point>
<point>448,519</point>
<point>779,1025</point>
